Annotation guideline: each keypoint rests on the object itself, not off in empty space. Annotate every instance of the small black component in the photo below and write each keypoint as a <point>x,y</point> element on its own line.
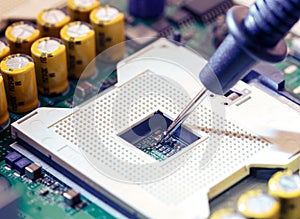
<point>181,18</point>
<point>207,10</point>
<point>21,164</point>
<point>141,35</point>
<point>33,171</point>
<point>177,36</point>
<point>54,186</point>
<point>11,158</point>
<point>162,26</point>
<point>44,192</point>
<point>71,197</point>
<point>80,206</point>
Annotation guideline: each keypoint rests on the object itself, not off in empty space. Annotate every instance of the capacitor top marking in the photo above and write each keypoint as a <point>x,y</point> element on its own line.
<point>48,46</point>
<point>20,36</point>
<point>50,21</point>
<point>22,31</point>
<point>17,62</point>
<point>106,14</point>
<point>79,10</point>
<point>78,30</point>
<point>53,16</point>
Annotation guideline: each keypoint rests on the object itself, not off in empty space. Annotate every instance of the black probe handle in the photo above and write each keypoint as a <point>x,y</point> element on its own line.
<point>255,33</point>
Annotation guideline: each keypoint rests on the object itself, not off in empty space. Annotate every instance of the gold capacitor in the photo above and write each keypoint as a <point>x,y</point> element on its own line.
<point>4,116</point>
<point>285,186</point>
<point>79,10</point>
<point>20,36</point>
<point>4,50</point>
<point>226,214</point>
<point>20,83</point>
<point>256,204</point>
<point>108,23</point>
<point>50,59</point>
<point>79,38</point>
<point>51,20</point>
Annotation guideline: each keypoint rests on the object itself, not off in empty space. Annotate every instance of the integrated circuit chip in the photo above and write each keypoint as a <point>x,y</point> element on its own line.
<point>162,26</point>
<point>141,35</point>
<point>207,10</point>
<point>181,17</point>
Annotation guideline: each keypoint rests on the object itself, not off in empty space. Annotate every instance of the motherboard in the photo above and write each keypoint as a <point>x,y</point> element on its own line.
<point>93,150</point>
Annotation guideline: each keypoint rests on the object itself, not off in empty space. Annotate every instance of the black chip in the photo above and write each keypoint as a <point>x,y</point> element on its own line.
<point>162,26</point>
<point>181,17</point>
<point>207,10</point>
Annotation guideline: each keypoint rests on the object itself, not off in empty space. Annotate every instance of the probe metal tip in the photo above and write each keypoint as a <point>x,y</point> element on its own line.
<point>183,116</point>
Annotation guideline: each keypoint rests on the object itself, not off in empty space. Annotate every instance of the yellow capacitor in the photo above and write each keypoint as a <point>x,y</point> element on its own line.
<point>4,50</point>
<point>4,116</point>
<point>256,204</point>
<point>20,83</point>
<point>79,10</point>
<point>20,36</point>
<point>51,20</point>
<point>79,38</point>
<point>50,59</point>
<point>285,186</point>
<point>108,23</point>
<point>226,214</point>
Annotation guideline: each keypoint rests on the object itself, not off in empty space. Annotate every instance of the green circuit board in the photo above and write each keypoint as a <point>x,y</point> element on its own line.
<point>36,199</point>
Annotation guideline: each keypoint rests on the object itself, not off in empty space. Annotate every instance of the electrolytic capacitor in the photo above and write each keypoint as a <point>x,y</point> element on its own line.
<point>50,21</point>
<point>146,8</point>
<point>79,38</point>
<point>256,204</point>
<point>4,116</point>
<point>20,36</point>
<point>20,83</point>
<point>108,23</point>
<point>4,50</point>
<point>226,214</point>
<point>286,187</point>
<point>50,58</point>
<point>79,10</point>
